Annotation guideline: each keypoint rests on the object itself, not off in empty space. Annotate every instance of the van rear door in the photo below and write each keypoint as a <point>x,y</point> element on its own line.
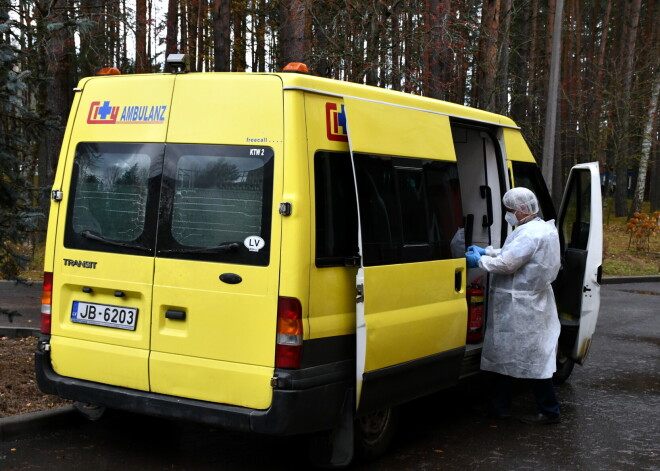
<point>105,240</point>
<point>577,288</point>
<point>217,262</point>
<point>411,308</point>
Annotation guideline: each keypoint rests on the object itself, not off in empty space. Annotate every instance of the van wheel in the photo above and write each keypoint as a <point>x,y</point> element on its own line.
<point>564,368</point>
<point>374,433</point>
<point>91,412</point>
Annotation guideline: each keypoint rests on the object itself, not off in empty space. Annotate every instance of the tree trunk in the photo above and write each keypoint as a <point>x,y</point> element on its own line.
<point>260,36</point>
<point>140,36</point>
<point>502,88</point>
<point>294,42</point>
<point>487,63</point>
<point>626,66</point>
<point>647,140</point>
<point>239,49</point>
<point>221,35</point>
<point>395,32</point>
<point>551,112</point>
<point>437,51</point>
<point>172,30</point>
<point>373,46</point>
<point>201,32</point>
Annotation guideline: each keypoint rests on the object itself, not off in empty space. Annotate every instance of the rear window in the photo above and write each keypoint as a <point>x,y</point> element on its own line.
<point>214,201</point>
<point>114,197</point>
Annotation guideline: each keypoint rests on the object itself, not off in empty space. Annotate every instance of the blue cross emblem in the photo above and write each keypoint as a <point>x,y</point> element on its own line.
<point>105,110</point>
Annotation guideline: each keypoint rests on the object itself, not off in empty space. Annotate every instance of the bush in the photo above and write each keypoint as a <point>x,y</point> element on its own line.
<point>641,228</point>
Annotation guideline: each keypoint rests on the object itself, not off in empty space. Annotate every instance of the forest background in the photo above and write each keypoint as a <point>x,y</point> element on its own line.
<point>490,54</point>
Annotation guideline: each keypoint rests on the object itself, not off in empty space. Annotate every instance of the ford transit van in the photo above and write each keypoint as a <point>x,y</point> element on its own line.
<point>285,254</point>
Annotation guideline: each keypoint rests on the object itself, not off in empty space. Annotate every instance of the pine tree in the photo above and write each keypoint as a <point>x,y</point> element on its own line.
<point>17,126</point>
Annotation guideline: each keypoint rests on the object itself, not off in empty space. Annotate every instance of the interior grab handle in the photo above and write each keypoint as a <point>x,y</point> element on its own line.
<point>485,193</point>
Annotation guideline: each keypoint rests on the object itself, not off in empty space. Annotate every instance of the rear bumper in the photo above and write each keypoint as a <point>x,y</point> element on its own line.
<point>304,401</point>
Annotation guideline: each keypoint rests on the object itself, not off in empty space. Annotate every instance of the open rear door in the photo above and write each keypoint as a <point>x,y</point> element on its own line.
<point>577,288</point>
<point>411,309</point>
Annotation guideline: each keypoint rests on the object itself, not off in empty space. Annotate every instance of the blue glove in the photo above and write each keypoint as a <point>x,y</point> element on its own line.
<point>477,249</point>
<point>472,259</point>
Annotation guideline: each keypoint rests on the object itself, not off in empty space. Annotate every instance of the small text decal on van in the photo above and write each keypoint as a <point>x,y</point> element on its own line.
<point>254,243</point>
<point>79,263</point>
<point>334,120</point>
<point>108,114</point>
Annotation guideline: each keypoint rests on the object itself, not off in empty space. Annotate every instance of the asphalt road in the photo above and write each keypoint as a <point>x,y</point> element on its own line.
<point>610,421</point>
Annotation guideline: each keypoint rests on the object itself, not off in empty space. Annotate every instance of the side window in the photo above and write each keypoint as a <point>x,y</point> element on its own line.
<point>336,210</point>
<point>574,231</point>
<point>114,197</point>
<point>410,208</point>
<point>529,176</point>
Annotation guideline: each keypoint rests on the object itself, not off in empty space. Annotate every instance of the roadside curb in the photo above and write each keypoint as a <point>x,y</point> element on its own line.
<point>630,279</point>
<point>21,332</point>
<point>18,426</point>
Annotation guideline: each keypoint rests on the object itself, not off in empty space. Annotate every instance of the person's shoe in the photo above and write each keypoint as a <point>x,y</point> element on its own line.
<point>540,419</point>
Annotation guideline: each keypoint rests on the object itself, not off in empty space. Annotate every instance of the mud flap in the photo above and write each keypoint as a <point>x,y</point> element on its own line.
<point>335,449</point>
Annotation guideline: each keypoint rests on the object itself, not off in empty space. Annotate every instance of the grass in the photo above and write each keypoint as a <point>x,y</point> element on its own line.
<point>620,256</point>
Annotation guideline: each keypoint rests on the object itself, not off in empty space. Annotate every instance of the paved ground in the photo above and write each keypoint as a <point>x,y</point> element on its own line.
<point>26,299</point>
<point>610,421</point>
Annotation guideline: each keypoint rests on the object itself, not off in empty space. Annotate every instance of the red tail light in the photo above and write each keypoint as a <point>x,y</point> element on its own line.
<point>288,352</point>
<point>46,303</point>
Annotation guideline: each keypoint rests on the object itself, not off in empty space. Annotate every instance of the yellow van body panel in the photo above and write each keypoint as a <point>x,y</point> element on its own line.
<point>233,323</point>
<point>209,380</point>
<point>377,128</point>
<point>100,362</point>
<point>126,109</point>
<point>225,325</point>
<point>297,227</point>
<point>410,311</point>
<point>227,109</point>
<point>53,226</point>
<point>331,289</point>
<point>516,147</point>
<point>347,89</point>
<point>426,318</point>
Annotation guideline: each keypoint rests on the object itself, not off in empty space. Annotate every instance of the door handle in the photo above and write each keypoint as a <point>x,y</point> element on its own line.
<point>488,217</point>
<point>175,315</point>
<point>458,280</point>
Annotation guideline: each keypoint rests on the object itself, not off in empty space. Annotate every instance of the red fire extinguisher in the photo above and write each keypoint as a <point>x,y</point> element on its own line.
<point>475,301</point>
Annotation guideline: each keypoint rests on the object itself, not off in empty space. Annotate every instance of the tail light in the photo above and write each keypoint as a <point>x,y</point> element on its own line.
<point>288,352</point>
<point>46,303</point>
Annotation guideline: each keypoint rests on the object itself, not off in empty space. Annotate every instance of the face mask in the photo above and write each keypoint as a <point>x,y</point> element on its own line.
<point>511,219</point>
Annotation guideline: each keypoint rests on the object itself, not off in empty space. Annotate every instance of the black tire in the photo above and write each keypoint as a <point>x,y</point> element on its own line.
<point>91,412</point>
<point>374,433</point>
<point>564,368</point>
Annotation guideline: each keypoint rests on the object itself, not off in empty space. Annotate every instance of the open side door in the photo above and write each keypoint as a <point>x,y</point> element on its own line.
<point>411,311</point>
<point>577,288</point>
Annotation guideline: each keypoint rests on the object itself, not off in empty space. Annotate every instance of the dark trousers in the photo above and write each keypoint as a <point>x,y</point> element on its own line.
<point>544,393</point>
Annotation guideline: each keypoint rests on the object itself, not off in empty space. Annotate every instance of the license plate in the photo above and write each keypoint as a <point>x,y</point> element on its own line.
<point>117,317</point>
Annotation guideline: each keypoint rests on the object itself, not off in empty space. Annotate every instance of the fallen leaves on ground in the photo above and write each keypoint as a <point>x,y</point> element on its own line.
<point>19,393</point>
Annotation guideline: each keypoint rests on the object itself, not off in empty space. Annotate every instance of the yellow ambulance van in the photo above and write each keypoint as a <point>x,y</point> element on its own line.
<point>285,254</point>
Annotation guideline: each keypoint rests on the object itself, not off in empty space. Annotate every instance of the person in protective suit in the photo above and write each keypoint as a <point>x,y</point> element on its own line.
<point>522,328</point>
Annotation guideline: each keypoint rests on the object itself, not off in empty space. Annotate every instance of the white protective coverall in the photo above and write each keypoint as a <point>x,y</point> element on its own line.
<point>523,328</point>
